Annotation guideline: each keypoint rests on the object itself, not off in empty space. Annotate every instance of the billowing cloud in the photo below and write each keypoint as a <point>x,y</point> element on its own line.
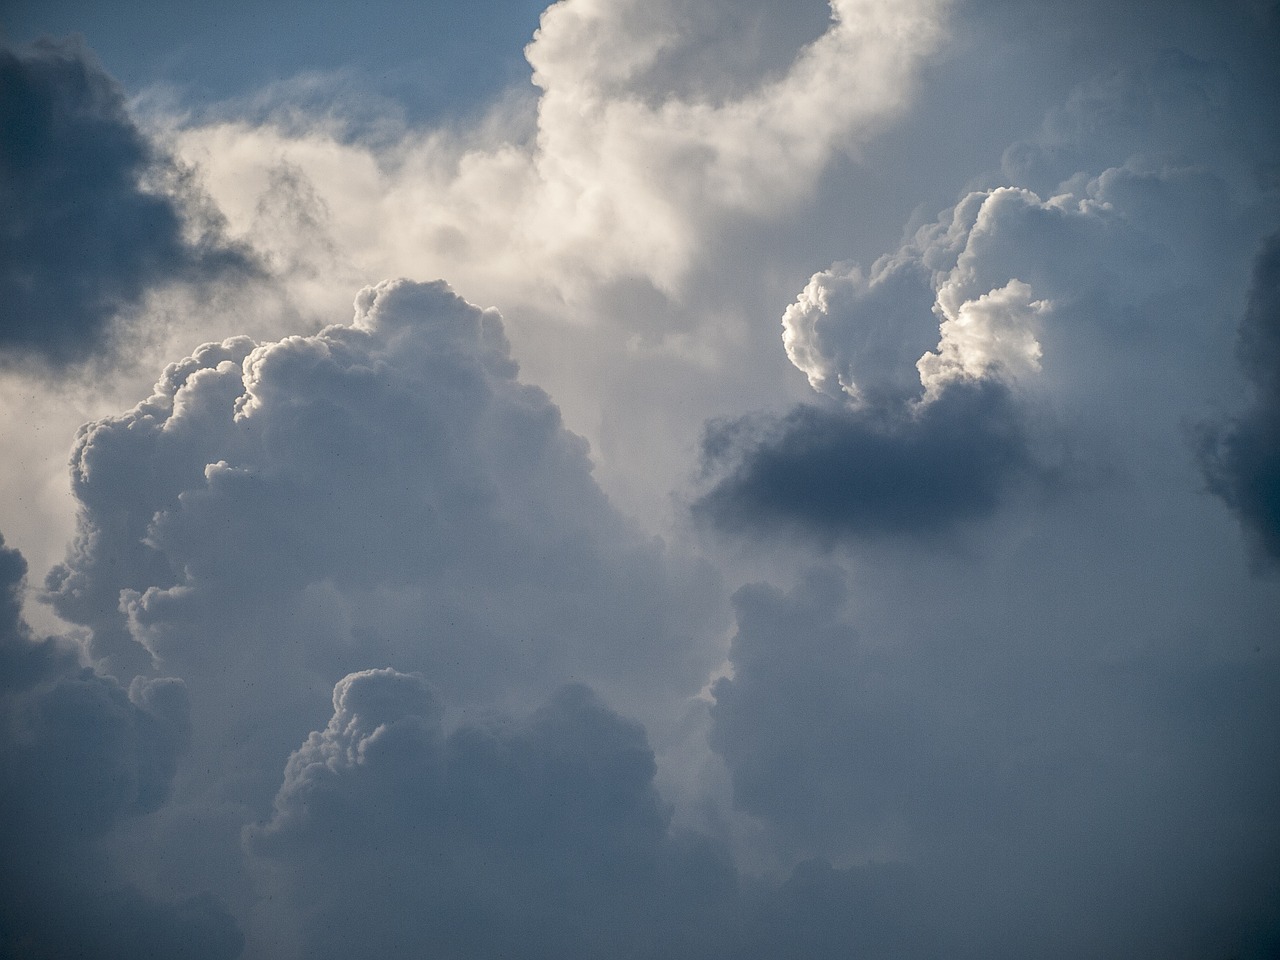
<point>537,837</point>
<point>1019,293</point>
<point>442,689</point>
<point>91,219</point>
<point>641,148</point>
<point>1241,458</point>
<point>82,754</point>
<point>278,515</point>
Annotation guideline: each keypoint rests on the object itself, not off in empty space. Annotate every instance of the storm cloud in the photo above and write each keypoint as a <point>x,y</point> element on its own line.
<point>834,472</point>
<point>1241,458</point>
<point>81,754</point>
<point>82,186</point>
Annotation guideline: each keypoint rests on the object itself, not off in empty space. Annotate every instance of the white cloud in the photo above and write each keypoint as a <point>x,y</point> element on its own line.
<point>616,181</point>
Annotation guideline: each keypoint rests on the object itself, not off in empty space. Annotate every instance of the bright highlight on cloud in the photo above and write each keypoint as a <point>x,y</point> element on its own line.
<point>555,608</point>
<point>630,166</point>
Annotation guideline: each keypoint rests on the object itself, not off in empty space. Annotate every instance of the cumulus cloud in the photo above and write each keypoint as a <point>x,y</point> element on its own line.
<point>640,147</point>
<point>91,217</point>
<point>1241,457</point>
<point>540,837</point>
<point>1027,299</point>
<point>82,754</point>
<point>277,515</point>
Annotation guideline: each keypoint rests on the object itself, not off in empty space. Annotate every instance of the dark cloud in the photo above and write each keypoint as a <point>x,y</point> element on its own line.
<point>538,837</point>
<point>80,755</point>
<point>1241,458</point>
<point>834,471</point>
<point>541,837</point>
<point>995,768</point>
<point>87,225</point>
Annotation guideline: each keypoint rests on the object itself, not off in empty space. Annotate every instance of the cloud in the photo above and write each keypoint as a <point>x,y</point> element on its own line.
<point>278,515</point>
<point>93,213</point>
<point>539,837</point>
<point>973,759</point>
<point>1241,457</point>
<point>835,472</point>
<point>82,755</point>
<point>1027,299</point>
<point>642,147</point>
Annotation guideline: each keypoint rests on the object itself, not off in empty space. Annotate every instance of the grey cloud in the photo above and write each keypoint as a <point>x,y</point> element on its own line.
<point>279,515</point>
<point>836,472</point>
<point>538,837</point>
<point>995,770</point>
<point>88,228</point>
<point>80,756</point>
<point>1241,457</point>
<point>396,470</point>
<point>1042,310</point>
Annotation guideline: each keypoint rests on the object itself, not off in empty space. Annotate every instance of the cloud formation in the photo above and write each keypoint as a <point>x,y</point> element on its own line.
<point>539,837</point>
<point>278,515</point>
<point>83,188</point>
<point>1241,457</point>
<point>642,147</point>
<point>974,762</point>
<point>440,694</point>
<point>82,754</point>
<point>834,472</point>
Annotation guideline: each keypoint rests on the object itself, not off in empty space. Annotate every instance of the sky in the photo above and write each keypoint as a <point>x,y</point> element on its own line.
<point>729,479</point>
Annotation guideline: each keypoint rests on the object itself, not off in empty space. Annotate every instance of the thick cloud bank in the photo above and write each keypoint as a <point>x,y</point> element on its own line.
<point>1241,458</point>
<point>1017,788</point>
<point>534,837</point>
<point>87,228</point>
<point>80,755</point>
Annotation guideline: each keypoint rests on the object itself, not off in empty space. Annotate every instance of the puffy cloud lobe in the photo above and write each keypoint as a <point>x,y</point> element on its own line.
<point>1023,292</point>
<point>540,837</point>
<point>1241,458</point>
<point>537,837</point>
<point>641,148</point>
<point>88,228</point>
<point>81,754</point>
<point>387,488</point>
<point>834,472</point>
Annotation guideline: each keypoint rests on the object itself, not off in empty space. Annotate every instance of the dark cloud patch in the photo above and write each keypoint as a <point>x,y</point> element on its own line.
<point>1241,458</point>
<point>86,227</point>
<point>80,755</point>
<point>834,471</point>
